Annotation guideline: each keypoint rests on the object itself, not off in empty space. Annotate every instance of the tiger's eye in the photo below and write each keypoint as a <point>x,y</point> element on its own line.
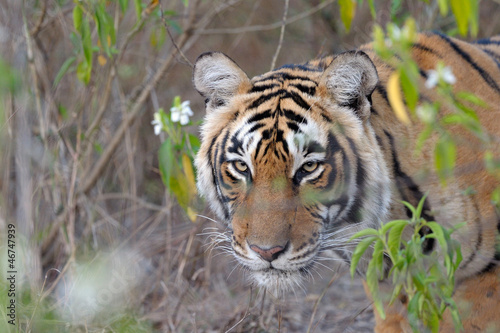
<point>240,166</point>
<point>310,166</point>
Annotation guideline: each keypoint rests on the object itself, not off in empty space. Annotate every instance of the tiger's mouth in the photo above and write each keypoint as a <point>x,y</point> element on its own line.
<point>278,281</point>
<point>277,272</point>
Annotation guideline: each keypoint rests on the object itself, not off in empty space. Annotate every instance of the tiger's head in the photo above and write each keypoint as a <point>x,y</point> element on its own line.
<point>290,162</point>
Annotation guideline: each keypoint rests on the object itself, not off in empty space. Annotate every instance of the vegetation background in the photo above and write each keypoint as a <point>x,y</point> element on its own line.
<point>101,245</point>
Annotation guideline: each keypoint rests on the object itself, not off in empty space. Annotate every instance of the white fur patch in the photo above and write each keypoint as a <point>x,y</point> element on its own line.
<point>346,83</point>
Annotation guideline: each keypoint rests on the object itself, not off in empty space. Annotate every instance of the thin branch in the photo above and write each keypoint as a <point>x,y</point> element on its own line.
<point>265,27</point>
<point>311,321</point>
<point>250,17</point>
<point>282,34</point>
<point>104,103</point>
<point>126,196</point>
<point>91,176</point>
<point>245,315</point>
<point>38,25</point>
<point>31,61</point>
<point>49,21</point>
<point>172,38</point>
<point>207,18</point>
<point>56,225</point>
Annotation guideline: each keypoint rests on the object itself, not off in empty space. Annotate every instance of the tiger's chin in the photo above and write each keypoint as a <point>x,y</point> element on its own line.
<point>278,282</point>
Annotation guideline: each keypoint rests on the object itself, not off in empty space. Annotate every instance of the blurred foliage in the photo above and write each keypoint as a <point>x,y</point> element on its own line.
<point>428,280</point>
<point>176,155</point>
<point>421,276</point>
<point>10,80</point>
<point>466,12</point>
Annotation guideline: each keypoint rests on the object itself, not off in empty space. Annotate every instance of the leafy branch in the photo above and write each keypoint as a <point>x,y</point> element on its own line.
<point>427,279</point>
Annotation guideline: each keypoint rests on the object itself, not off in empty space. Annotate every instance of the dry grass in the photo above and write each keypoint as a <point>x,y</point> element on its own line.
<point>100,245</point>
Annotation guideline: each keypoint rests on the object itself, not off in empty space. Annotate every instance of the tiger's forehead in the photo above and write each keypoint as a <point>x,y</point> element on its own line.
<point>300,77</point>
<point>279,121</point>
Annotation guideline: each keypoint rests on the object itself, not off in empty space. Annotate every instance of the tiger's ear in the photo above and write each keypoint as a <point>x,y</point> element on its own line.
<point>217,78</point>
<point>351,79</point>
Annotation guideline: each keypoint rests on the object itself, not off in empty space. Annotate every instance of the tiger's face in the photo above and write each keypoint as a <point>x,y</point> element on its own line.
<point>289,161</point>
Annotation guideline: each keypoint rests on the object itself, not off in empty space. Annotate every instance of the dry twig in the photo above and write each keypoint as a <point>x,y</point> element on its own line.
<point>272,26</point>
<point>282,34</point>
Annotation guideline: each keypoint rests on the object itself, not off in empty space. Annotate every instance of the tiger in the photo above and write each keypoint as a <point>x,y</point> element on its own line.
<point>297,160</point>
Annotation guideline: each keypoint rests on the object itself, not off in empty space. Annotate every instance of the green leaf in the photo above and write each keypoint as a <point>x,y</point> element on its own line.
<point>166,160</point>
<point>10,79</point>
<point>462,11</point>
<point>372,9</point>
<point>439,234</point>
<point>98,148</point>
<point>138,9</point>
<point>359,251</point>
<point>413,313</point>
<point>409,85</point>
<point>105,28</point>
<point>87,42</point>
<point>443,7</point>
<point>364,233</point>
<point>391,224</point>
<point>187,166</point>
<point>372,283</point>
<point>123,5</point>
<point>75,39</point>
<point>177,101</point>
<point>100,23</point>
<point>347,11</point>
<point>396,292</point>
<point>474,17</point>
<point>399,266</point>
<point>83,71</point>
<point>157,37</point>
<point>455,315</point>
<point>394,238</point>
<point>495,197</point>
<point>378,257</point>
<point>422,138</point>
<point>179,186</point>
<point>444,157</point>
<point>64,68</point>
<point>194,142</point>
<point>63,112</point>
<point>420,207</point>
<point>395,8</point>
<point>77,18</point>
<point>470,97</point>
<point>468,113</point>
<point>411,208</point>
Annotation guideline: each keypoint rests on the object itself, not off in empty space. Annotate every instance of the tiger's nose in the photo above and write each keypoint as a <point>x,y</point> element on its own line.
<point>268,254</point>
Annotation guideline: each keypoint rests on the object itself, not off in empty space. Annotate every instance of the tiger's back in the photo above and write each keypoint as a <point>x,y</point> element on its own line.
<point>297,160</point>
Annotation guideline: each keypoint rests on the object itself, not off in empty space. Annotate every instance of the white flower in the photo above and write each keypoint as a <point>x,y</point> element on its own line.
<point>440,74</point>
<point>448,76</point>
<point>396,33</point>
<point>181,113</point>
<point>157,123</point>
<point>426,113</point>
